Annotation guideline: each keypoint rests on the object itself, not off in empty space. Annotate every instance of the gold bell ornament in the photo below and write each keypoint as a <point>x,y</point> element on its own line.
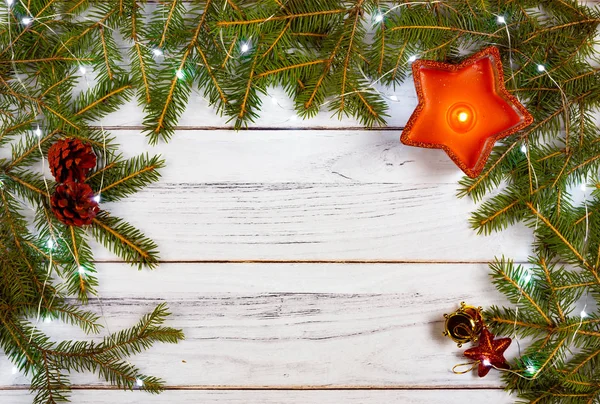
<point>464,325</point>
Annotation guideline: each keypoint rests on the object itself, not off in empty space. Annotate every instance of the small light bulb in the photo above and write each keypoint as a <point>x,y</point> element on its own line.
<point>378,18</point>
<point>38,132</point>
<point>81,270</point>
<point>501,19</point>
<point>541,68</point>
<point>96,198</point>
<point>157,52</point>
<point>583,314</point>
<point>50,244</point>
<point>26,20</point>
<point>523,149</point>
<point>14,370</point>
<point>179,74</point>
<point>245,47</point>
<point>412,58</point>
<point>463,116</point>
<point>47,320</point>
<point>530,369</point>
<point>139,382</point>
<point>82,70</point>
<point>393,98</point>
<point>486,363</point>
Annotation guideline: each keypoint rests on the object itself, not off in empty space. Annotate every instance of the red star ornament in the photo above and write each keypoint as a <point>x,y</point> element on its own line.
<point>489,352</point>
<point>463,109</point>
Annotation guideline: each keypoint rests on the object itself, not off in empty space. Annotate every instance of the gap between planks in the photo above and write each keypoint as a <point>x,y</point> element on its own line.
<point>259,128</point>
<point>279,388</point>
<point>312,261</point>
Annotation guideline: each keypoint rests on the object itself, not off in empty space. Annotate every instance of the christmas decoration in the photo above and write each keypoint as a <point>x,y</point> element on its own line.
<point>464,109</point>
<point>71,160</point>
<point>489,353</point>
<point>73,204</point>
<point>464,325</point>
<point>63,71</point>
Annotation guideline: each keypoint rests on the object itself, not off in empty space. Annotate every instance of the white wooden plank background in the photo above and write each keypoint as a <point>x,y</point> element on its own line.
<point>307,262</point>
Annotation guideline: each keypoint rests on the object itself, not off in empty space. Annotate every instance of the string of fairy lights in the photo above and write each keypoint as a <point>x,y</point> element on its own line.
<point>52,242</point>
<point>530,372</point>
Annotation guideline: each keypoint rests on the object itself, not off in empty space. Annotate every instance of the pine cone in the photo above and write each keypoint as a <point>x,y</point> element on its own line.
<point>73,204</point>
<point>70,160</point>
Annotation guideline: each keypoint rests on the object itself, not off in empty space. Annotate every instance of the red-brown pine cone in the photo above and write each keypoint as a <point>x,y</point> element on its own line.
<point>73,204</point>
<point>70,160</point>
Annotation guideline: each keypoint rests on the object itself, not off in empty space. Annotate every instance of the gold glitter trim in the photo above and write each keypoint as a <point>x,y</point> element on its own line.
<point>494,55</point>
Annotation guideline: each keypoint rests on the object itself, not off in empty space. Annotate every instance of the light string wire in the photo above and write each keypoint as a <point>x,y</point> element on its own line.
<point>370,88</point>
<point>502,20</point>
<point>564,99</point>
<point>43,166</point>
<point>53,236</point>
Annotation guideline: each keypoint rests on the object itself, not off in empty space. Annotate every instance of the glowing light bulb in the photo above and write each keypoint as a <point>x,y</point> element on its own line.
<point>541,68</point>
<point>96,198</point>
<point>14,370</point>
<point>139,382</point>
<point>501,19</point>
<point>81,270</point>
<point>523,149</point>
<point>50,244</point>
<point>486,363</point>
<point>583,314</point>
<point>530,369</point>
<point>47,320</point>
<point>179,74</point>
<point>38,132</point>
<point>157,52</point>
<point>26,20</point>
<point>82,70</point>
<point>412,58</point>
<point>463,116</point>
<point>245,47</point>
<point>378,18</point>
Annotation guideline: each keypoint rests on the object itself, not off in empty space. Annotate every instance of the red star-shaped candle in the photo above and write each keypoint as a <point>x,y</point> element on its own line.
<point>463,109</point>
<point>489,352</point>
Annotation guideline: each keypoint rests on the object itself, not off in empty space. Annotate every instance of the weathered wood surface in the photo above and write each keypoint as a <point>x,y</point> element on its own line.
<point>295,325</point>
<point>307,195</point>
<point>386,249</point>
<point>278,397</point>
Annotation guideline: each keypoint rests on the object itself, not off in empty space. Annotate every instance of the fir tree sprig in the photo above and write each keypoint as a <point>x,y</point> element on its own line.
<point>324,56</point>
<point>47,93</point>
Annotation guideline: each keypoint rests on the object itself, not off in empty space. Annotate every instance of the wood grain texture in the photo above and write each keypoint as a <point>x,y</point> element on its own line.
<point>278,397</point>
<point>295,325</point>
<point>326,195</point>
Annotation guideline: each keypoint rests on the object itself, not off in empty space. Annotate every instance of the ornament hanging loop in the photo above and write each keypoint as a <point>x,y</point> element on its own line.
<point>471,366</point>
